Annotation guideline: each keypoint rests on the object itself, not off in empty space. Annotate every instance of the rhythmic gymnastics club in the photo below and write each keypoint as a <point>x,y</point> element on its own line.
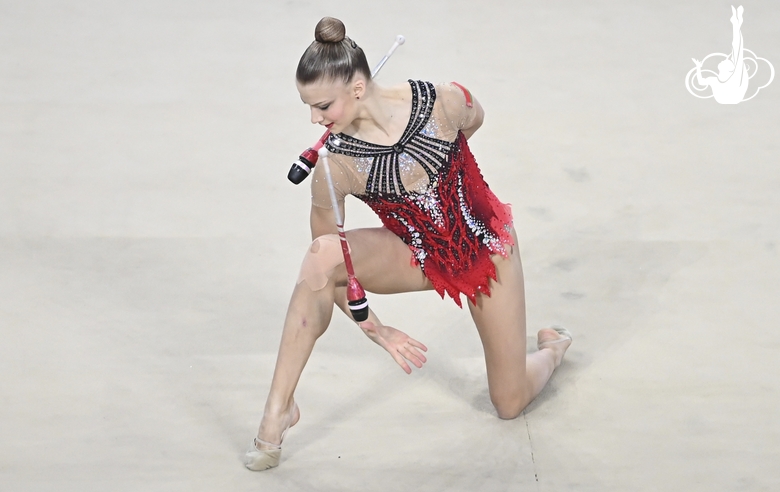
<point>308,159</point>
<point>356,296</point>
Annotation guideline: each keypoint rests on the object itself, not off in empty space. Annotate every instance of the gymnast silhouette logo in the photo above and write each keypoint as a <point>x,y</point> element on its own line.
<point>735,70</point>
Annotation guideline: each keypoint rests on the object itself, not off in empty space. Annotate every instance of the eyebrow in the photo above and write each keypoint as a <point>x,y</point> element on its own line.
<point>321,103</point>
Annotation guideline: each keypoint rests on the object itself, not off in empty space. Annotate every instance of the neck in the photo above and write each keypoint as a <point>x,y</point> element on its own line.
<point>375,116</point>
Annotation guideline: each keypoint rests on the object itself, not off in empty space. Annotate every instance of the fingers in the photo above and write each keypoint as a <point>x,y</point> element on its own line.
<point>417,355</point>
<point>415,343</point>
<point>415,358</point>
<point>401,362</point>
<point>411,353</point>
<point>401,347</point>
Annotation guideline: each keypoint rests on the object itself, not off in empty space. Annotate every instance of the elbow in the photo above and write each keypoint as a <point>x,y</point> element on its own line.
<point>479,119</point>
<point>468,132</point>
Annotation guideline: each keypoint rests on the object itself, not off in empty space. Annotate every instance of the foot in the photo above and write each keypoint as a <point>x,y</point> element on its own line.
<point>556,339</point>
<point>266,448</point>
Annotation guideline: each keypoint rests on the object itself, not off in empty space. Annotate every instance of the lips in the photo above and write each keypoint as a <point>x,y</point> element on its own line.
<point>329,125</point>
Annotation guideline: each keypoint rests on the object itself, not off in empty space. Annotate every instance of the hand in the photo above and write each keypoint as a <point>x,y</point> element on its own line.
<point>697,62</point>
<point>401,346</point>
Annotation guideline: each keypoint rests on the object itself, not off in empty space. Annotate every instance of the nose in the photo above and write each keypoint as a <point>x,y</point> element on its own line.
<point>316,115</point>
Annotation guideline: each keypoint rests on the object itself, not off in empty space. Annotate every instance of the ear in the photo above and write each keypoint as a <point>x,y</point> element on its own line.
<point>358,87</point>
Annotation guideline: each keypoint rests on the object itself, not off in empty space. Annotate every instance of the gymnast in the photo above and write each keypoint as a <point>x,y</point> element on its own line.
<point>403,151</point>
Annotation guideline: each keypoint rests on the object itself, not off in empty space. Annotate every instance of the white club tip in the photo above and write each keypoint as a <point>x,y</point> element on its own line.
<point>400,39</point>
<point>323,152</point>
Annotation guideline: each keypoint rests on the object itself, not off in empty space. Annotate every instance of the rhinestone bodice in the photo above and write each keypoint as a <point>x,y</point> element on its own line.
<point>428,190</point>
<point>418,144</point>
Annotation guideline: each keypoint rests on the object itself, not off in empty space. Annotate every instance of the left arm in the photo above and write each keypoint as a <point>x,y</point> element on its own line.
<point>462,109</point>
<point>476,120</point>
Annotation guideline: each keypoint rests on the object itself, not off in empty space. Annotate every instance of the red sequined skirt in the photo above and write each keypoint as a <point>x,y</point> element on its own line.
<point>454,228</point>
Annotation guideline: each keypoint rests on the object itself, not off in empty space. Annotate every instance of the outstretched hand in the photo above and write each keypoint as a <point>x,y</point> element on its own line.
<point>399,345</point>
<point>697,62</point>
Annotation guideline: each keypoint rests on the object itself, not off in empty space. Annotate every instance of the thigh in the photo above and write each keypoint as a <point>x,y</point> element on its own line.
<point>500,320</point>
<point>383,263</point>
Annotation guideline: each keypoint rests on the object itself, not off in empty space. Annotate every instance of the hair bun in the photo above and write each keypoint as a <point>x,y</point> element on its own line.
<point>330,30</point>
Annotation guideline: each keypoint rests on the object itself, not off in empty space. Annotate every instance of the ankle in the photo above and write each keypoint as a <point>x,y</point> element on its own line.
<point>278,408</point>
<point>275,422</point>
<point>555,353</point>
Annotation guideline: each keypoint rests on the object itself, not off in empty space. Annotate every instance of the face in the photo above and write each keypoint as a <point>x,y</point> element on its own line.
<point>332,103</point>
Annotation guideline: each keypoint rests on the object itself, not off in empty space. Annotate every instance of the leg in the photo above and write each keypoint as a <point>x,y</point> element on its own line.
<point>382,263</point>
<point>514,378</point>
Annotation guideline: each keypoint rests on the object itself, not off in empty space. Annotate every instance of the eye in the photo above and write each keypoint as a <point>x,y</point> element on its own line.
<point>325,107</point>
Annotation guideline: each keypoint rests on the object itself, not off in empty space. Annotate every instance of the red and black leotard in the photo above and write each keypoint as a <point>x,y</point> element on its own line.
<point>428,190</point>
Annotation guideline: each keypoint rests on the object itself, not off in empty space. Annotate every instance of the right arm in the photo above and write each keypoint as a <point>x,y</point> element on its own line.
<point>322,220</point>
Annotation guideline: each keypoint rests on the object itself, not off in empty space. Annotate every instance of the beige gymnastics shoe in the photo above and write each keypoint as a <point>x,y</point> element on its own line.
<point>259,459</point>
<point>565,335</point>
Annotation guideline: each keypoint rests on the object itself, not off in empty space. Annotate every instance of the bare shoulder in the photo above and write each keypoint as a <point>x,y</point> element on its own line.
<point>460,107</point>
<point>400,92</point>
<point>451,92</point>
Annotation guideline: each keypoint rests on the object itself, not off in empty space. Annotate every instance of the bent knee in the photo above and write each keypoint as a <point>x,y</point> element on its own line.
<point>508,413</point>
<point>320,262</point>
<point>509,408</point>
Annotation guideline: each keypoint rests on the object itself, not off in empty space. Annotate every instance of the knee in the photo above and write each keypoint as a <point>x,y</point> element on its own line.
<point>509,408</point>
<point>319,264</point>
<point>507,412</point>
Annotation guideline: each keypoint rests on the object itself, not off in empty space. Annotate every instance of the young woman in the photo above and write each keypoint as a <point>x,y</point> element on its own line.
<point>402,150</point>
